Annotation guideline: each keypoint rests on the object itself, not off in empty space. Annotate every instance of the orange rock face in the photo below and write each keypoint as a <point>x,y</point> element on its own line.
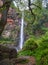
<point>10,21</point>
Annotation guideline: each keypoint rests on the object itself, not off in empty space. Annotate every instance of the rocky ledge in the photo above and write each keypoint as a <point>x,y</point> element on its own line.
<point>8,56</point>
<point>26,60</point>
<point>6,52</point>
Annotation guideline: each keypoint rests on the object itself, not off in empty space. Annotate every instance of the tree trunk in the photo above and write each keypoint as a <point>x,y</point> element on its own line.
<point>3,20</point>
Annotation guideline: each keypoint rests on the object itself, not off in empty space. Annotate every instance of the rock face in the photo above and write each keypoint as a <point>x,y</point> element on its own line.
<point>6,52</point>
<point>26,60</point>
<point>6,62</point>
<point>30,61</point>
<point>12,28</point>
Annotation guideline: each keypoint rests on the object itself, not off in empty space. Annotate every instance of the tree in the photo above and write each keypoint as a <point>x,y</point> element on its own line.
<point>4,10</point>
<point>22,3</point>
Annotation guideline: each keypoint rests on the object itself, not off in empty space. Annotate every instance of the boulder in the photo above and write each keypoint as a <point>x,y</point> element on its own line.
<point>6,52</point>
<point>6,62</point>
<point>26,60</point>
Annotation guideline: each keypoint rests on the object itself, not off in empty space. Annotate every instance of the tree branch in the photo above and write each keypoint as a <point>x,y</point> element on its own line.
<point>36,5</point>
<point>3,20</point>
<point>29,4</point>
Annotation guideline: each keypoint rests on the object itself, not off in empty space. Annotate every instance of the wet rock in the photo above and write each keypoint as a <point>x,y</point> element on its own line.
<point>6,52</point>
<point>26,60</point>
<point>6,62</point>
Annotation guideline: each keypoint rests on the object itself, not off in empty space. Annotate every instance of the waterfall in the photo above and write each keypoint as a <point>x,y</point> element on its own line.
<point>22,31</point>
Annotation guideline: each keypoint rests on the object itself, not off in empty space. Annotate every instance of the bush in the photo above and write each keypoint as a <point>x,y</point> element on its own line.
<point>37,48</point>
<point>30,44</point>
<point>44,58</point>
<point>44,41</point>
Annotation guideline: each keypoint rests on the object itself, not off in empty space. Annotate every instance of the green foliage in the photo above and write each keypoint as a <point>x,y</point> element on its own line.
<point>40,52</point>
<point>30,44</point>
<point>37,47</point>
<point>5,41</point>
<point>44,41</point>
<point>12,5</point>
<point>44,60</point>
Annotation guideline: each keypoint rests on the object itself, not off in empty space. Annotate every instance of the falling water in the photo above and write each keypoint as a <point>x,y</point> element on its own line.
<point>22,31</point>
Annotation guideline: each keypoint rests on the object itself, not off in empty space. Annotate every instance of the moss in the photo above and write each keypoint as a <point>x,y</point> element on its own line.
<point>44,59</point>
<point>30,44</point>
<point>40,52</point>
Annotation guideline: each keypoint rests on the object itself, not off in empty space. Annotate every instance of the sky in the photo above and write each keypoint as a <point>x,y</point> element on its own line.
<point>22,1</point>
<point>44,2</point>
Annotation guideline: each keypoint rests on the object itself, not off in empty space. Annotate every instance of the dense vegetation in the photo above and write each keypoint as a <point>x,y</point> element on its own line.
<point>38,48</point>
<point>37,43</point>
<point>35,30</point>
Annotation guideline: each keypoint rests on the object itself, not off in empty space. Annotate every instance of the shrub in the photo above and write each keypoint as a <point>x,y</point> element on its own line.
<point>30,44</point>
<point>44,58</point>
<point>44,41</point>
<point>37,48</point>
